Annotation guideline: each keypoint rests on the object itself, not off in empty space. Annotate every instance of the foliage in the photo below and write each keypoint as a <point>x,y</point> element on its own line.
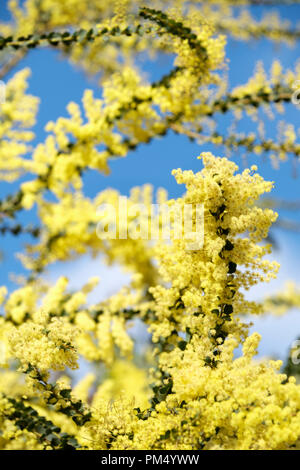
<point>188,389</point>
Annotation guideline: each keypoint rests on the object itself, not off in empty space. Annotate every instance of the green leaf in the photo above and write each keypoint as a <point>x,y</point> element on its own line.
<point>231,267</point>
<point>228,309</point>
<point>182,345</point>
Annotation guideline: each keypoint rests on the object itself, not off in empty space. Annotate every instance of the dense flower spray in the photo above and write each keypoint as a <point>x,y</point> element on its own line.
<point>195,384</point>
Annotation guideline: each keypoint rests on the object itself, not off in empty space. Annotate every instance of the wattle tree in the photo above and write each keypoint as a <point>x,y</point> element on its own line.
<point>195,384</point>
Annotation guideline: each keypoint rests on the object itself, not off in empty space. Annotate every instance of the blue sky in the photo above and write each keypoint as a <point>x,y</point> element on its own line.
<point>57,83</point>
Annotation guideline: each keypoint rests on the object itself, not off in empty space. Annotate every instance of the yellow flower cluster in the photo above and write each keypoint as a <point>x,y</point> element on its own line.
<point>70,230</point>
<point>238,405</point>
<point>187,387</point>
<point>284,300</point>
<point>17,114</point>
<point>210,279</point>
<point>51,344</point>
<point>202,398</point>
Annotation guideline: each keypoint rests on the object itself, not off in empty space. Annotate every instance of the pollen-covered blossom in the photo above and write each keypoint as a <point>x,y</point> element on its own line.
<point>206,281</point>
<point>237,405</point>
<point>131,110</point>
<point>17,116</point>
<point>70,229</point>
<point>202,398</point>
<point>194,381</point>
<point>52,344</point>
<point>282,301</point>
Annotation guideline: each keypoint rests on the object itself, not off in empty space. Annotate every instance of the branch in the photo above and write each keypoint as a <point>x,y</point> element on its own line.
<point>258,31</point>
<point>67,405</point>
<point>54,38</point>
<point>27,418</point>
<point>278,94</point>
<point>232,141</point>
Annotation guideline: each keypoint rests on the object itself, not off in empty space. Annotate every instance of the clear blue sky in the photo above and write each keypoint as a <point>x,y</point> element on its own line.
<point>57,83</point>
